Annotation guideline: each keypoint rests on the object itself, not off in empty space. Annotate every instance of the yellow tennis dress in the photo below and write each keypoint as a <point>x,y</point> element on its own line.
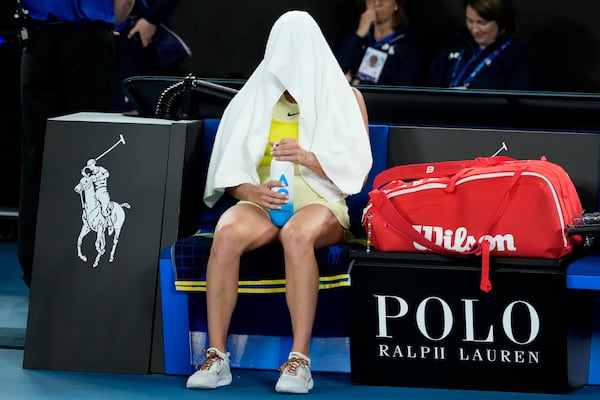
<point>285,124</point>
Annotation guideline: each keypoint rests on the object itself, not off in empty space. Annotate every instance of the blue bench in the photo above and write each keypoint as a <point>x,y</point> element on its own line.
<point>260,334</point>
<point>584,274</point>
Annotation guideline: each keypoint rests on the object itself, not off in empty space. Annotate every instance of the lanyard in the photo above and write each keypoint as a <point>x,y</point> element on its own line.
<point>485,62</point>
<point>378,43</point>
<point>384,43</point>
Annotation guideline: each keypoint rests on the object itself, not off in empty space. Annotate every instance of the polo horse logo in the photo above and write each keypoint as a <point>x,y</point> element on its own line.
<point>99,213</point>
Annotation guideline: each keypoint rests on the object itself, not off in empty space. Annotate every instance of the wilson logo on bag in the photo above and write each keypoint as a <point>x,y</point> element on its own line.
<point>487,206</point>
<point>460,240</point>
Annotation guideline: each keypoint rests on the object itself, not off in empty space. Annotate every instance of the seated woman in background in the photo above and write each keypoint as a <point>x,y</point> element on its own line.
<point>486,56</point>
<point>381,50</point>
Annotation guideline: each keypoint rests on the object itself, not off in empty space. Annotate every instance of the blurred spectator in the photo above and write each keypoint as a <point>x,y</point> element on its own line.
<point>137,52</point>
<point>381,50</point>
<point>486,55</point>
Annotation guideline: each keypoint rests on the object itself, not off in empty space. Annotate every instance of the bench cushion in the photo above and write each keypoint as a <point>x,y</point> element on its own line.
<point>261,270</point>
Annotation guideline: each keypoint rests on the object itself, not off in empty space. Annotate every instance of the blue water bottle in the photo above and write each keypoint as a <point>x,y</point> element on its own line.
<point>283,171</point>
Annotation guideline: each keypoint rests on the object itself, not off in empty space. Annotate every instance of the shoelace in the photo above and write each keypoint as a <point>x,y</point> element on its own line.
<point>293,364</point>
<point>211,358</point>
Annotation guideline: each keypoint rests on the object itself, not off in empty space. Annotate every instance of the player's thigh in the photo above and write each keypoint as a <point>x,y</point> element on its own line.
<point>245,226</point>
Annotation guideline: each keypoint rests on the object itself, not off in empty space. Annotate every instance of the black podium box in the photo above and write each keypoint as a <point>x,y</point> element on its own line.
<point>93,304</point>
<point>420,320</point>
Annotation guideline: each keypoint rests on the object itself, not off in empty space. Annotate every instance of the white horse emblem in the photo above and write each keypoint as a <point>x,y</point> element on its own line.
<point>100,214</point>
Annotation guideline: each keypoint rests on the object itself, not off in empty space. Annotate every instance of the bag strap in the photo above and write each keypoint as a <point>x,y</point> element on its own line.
<point>434,170</point>
<point>385,207</point>
<point>381,202</point>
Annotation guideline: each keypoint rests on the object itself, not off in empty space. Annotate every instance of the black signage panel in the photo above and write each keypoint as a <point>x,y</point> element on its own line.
<point>109,201</point>
<point>421,320</point>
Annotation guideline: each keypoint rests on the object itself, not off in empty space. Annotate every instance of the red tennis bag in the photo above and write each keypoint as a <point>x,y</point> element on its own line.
<point>487,206</point>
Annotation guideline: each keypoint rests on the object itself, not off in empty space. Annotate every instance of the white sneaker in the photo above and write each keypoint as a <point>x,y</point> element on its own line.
<point>295,375</point>
<point>214,372</point>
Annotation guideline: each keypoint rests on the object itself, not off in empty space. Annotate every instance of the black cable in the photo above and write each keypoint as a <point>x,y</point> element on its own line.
<point>182,100</point>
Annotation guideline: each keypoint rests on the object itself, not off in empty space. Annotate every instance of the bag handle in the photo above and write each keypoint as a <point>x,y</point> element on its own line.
<point>381,202</point>
<point>434,170</point>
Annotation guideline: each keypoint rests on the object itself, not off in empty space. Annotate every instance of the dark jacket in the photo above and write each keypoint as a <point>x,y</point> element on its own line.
<point>155,11</point>
<point>507,70</point>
